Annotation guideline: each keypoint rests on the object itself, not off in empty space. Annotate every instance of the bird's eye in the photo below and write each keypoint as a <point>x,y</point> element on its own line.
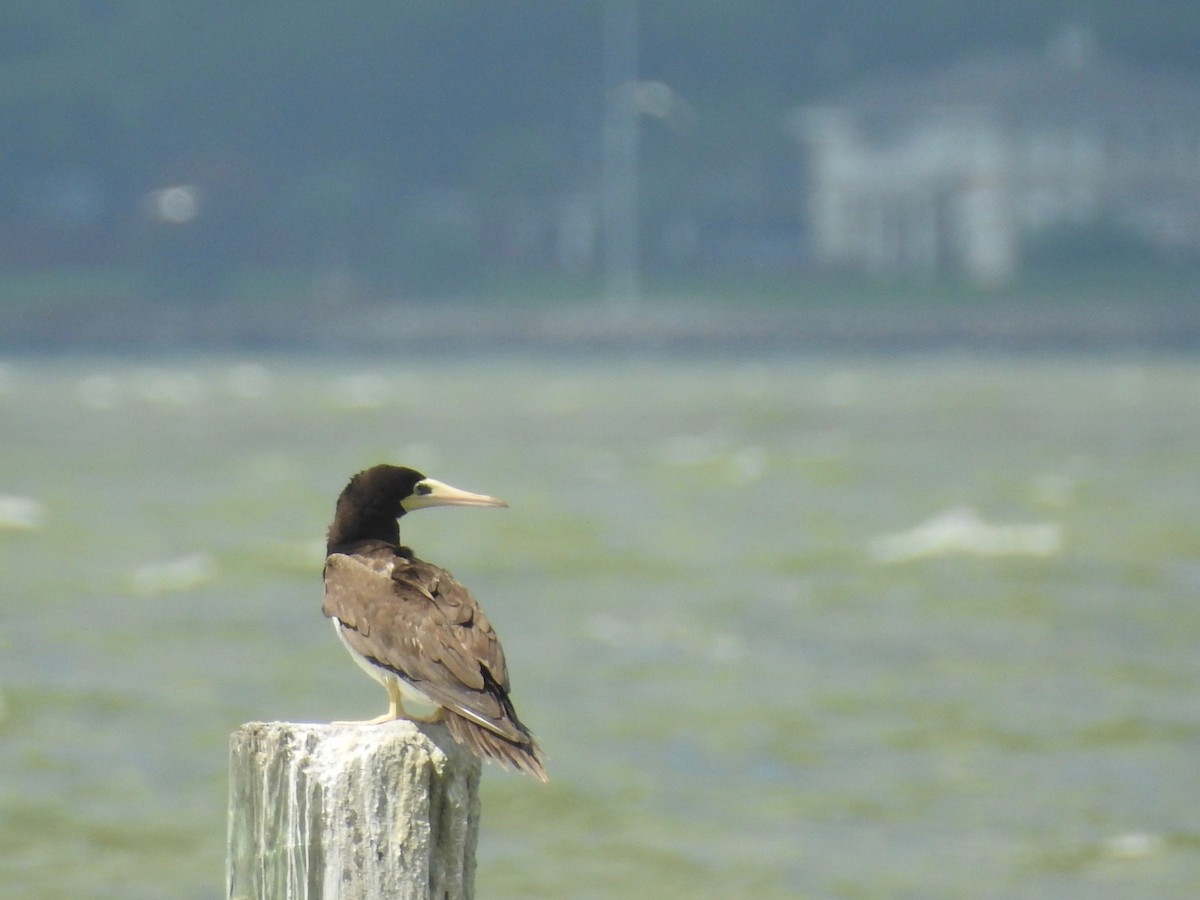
<point>422,489</point>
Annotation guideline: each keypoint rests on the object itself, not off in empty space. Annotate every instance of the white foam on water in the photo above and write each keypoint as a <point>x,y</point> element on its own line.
<point>961,530</point>
<point>21,513</point>
<point>168,576</point>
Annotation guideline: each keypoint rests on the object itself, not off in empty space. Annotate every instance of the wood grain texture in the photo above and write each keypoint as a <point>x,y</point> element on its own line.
<point>351,812</point>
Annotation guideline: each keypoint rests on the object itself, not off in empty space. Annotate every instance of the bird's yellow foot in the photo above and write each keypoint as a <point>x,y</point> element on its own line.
<point>396,710</point>
<point>378,720</point>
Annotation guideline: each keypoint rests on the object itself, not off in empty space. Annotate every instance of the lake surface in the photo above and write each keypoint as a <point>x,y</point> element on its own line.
<point>922,627</point>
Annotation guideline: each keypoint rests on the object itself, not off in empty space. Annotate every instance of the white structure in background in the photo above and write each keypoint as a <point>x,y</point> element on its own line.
<point>959,170</point>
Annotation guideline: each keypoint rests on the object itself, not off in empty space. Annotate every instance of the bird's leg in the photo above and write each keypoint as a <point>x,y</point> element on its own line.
<point>395,710</point>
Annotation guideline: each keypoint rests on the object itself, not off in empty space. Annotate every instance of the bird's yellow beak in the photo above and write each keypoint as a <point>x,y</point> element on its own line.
<point>430,492</point>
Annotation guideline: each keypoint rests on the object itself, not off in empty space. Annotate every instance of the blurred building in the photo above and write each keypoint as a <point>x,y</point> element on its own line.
<point>970,168</point>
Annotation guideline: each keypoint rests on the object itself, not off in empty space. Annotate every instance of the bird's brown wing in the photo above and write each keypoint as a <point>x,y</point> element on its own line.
<point>416,620</point>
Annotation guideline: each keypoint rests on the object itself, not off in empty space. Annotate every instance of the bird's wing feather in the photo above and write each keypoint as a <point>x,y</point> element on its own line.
<point>418,621</point>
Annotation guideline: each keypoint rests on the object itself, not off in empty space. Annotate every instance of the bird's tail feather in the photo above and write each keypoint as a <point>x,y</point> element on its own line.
<point>525,757</point>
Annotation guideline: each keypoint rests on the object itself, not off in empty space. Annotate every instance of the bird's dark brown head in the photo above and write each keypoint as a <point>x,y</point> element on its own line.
<point>370,506</point>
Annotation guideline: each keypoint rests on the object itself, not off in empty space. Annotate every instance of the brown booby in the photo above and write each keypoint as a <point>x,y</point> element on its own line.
<point>412,627</point>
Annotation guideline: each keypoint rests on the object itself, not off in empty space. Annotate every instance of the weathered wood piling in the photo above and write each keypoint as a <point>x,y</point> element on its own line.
<point>355,812</point>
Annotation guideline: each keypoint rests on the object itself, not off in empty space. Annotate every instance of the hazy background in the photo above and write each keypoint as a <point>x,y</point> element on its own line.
<point>176,175</point>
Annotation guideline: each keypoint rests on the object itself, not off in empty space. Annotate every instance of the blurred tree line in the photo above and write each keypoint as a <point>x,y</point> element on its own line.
<point>418,145</point>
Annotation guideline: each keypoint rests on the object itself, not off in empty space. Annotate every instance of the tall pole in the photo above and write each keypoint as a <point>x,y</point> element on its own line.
<point>351,812</point>
<point>619,205</point>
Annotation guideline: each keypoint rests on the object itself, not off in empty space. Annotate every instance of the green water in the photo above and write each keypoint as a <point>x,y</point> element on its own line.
<point>737,697</point>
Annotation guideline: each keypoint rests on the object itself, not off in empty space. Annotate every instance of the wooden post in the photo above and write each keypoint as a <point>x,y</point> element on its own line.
<point>350,812</point>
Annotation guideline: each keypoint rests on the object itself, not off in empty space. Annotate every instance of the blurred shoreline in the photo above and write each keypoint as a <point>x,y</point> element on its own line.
<point>653,326</point>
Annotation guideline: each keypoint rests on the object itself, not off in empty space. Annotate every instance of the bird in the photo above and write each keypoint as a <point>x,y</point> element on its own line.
<point>415,629</point>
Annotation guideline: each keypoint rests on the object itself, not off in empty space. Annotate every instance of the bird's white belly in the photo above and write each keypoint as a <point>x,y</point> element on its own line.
<point>417,704</point>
